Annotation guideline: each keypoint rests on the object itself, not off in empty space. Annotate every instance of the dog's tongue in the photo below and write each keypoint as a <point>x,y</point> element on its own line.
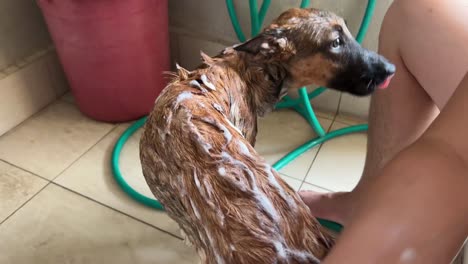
<point>385,83</point>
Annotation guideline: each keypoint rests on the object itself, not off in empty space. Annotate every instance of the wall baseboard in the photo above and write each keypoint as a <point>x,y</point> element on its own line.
<point>28,86</point>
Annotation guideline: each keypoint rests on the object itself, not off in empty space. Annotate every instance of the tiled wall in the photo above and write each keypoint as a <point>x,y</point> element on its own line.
<point>22,31</point>
<point>30,74</point>
<point>205,25</point>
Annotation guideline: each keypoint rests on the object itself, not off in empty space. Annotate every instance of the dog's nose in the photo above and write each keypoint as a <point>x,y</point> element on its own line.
<point>390,69</point>
<point>387,72</point>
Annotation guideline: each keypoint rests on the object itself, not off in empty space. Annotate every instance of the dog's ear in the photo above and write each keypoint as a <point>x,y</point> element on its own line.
<point>268,43</point>
<point>181,72</point>
<point>206,59</point>
<point>254,45</point>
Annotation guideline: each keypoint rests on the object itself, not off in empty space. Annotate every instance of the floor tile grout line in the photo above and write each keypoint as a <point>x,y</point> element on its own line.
<point>90,199</point>
<point>85,152</point>
<point>310,166</point>
<point>322,117</point>
<point>352,122</point>
<point>51,181</point>
<point>57,100</point>
<point>320,187</point>
<point>345,123</point>
<point>72,163</point>
<point>57,184</point>
<point>115,210</point>
<point>338,108</point>
<point>316,155</point>
<point>290,177</point>
<point>26,202</point>
<point>25,170</point>
<point>67,167</point>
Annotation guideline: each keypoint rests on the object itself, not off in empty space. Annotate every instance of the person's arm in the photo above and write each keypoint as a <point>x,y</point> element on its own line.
<point>417,210</point>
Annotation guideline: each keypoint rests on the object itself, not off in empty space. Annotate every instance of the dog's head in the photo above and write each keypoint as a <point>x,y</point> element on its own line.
<point>316,47</point>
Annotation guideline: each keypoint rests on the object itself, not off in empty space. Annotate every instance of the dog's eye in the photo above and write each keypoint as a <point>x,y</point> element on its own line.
<point>336,43</point>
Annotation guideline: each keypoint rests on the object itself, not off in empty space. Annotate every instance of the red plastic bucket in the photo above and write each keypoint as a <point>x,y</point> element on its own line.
<point>113,53</point>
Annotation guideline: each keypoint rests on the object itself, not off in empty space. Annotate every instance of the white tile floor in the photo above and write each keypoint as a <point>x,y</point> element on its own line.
<point>60,204</point>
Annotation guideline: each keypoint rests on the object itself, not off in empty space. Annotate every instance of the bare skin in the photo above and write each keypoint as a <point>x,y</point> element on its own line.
<point>416,210</point>
<point>414,172</point>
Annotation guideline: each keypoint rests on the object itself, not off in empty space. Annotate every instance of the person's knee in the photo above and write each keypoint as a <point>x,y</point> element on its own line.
<point>405,14</point>
<point>414,28</point>
<point>417,14</point>
<point>390,29</point>
<point>419,6</point>
<point>397,19</point>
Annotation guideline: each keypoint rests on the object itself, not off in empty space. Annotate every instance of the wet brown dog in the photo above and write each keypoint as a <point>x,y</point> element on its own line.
<point>197,149</point>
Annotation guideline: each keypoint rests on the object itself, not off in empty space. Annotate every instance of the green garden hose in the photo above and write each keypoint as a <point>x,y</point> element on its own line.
<point>118,174</point>
<point>298,104</point>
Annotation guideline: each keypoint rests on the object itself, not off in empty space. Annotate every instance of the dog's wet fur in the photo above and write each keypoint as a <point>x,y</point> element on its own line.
<point>197,150</point>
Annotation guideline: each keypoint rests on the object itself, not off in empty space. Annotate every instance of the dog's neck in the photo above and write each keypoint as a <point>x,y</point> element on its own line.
<point>245,86</point>
<point>253,88</point>
<point>264,82</point>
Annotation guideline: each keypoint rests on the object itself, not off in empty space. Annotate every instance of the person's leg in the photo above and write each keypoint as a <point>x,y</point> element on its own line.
<point>418,37</point>
<point>422,188</point>
<point>431,62</point>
